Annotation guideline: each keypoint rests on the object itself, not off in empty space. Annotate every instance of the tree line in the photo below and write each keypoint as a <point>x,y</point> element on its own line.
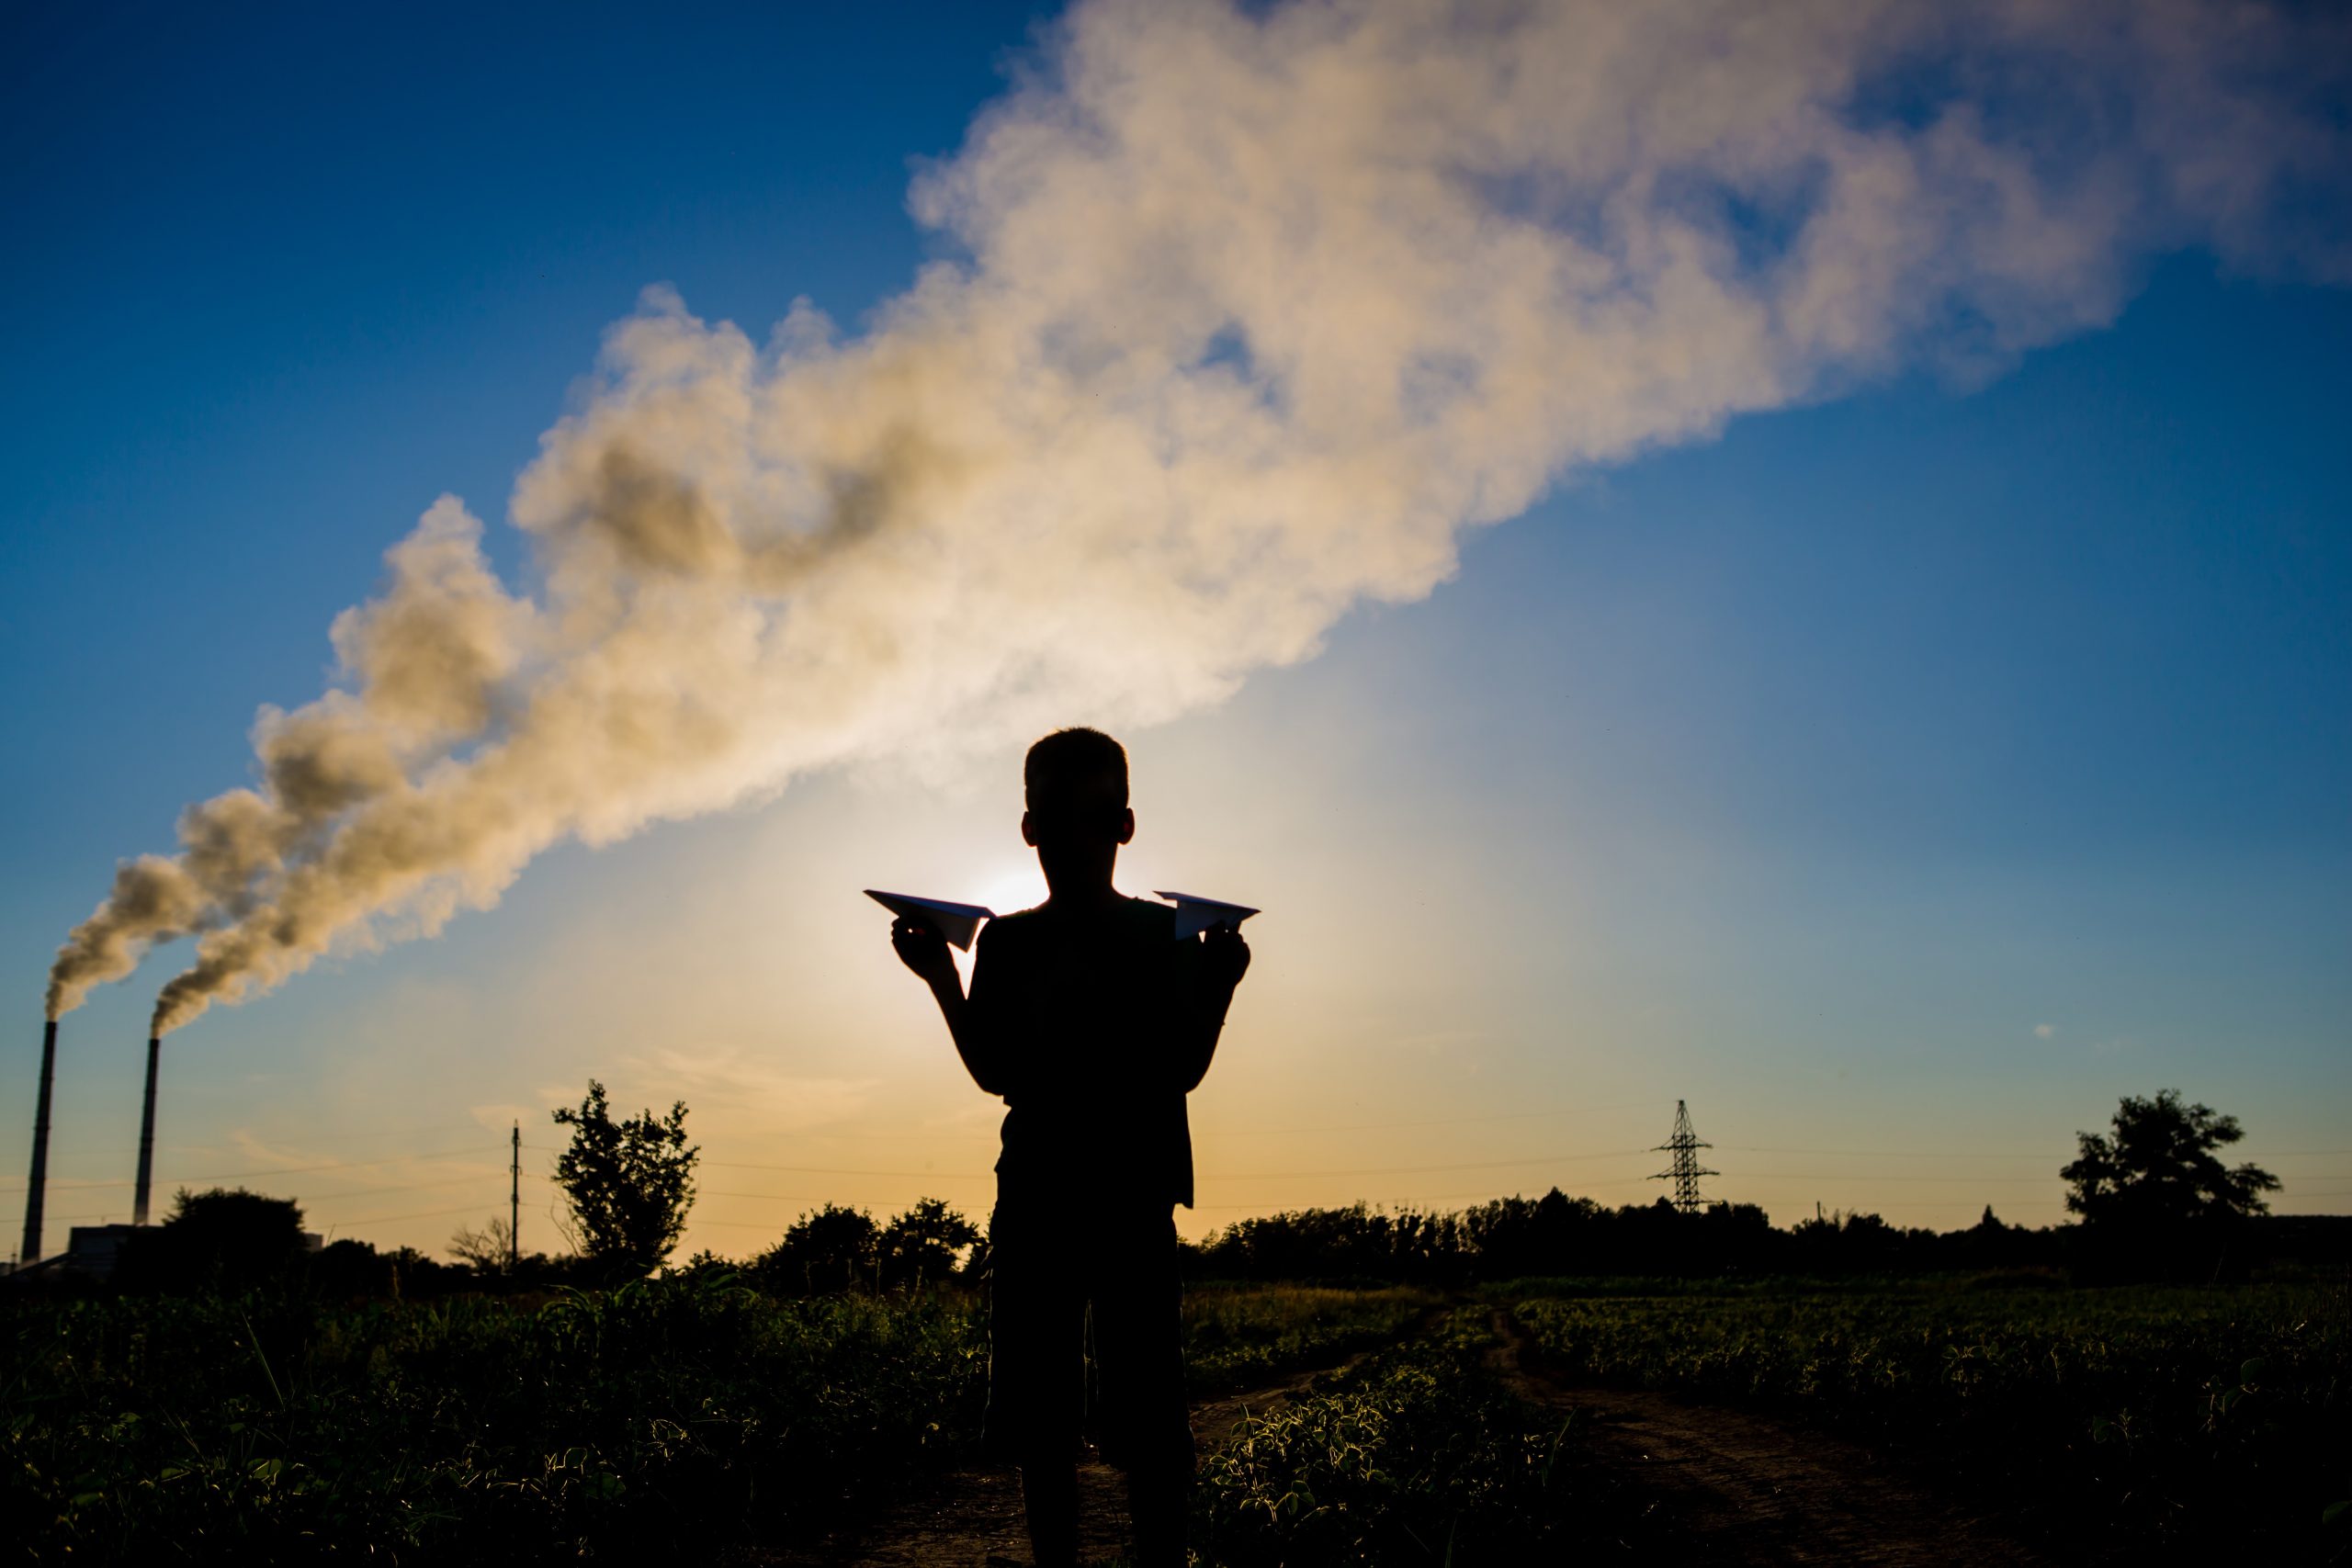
<point>2151,1195</point>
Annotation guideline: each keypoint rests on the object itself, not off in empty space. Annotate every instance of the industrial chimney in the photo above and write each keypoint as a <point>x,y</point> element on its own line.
<point>146,1136</point>
<point>37,1184</point>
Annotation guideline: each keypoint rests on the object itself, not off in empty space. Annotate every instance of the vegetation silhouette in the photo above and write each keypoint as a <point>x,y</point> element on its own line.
<point>628,1184</point>
<point>1093,1021</point>
<point>923,1246</point>
<point>487,1250</point>
<point>833,1249</point>
<point>224,1240</point>
<point>836,1249</point>
<point>2157,1200</point>
<point>247,1395</point>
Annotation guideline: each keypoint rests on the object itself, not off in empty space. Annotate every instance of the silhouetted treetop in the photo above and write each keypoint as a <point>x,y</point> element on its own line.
<point>2157,1169</point>
<point>834,1248</point>
<point>225,1239</point>
<point>628,1183</point>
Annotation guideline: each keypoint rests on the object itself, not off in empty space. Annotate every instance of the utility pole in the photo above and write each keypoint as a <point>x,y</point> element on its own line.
<point>514,1203</point>
<point>1684,1170</point>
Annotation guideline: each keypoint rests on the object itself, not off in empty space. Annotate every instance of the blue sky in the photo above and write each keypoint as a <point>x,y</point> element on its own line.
<point>1899,779</point>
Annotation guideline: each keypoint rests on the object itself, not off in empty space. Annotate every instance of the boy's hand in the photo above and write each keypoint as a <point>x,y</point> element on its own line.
<point>1224,957</point>
<point>921,949</point>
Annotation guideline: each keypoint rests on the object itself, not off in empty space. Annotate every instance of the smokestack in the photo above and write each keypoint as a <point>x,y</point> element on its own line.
<point>146,1136</point>
<point>37,1184</point>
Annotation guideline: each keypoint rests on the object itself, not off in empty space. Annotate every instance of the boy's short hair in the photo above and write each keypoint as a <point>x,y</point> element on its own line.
<point>1074,767</point>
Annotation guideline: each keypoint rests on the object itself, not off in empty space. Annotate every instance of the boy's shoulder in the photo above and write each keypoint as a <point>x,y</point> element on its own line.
<point>1151,917</point>
<point>1143,918</point>
<point>1013,921</point>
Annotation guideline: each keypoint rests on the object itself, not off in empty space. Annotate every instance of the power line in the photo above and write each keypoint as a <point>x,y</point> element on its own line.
<point>394,1187</point>
<point>2049,1180</point>
<point>1414,1169</point>
<point>1934,1154</point>
<point>1560,1159</point>
<point>388,1219</point>
<point>769,1197</point>
<point>819,1169</point>
<point>1392,1126</point>
<point>832,1171</point>
<point>271,1170</point>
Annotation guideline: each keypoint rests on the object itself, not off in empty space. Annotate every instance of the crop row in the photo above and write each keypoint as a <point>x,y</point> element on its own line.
<point>1414,1455</point>
<point>665,1420</point>
<point>1237,1336</point>
<point>2108,1423</point>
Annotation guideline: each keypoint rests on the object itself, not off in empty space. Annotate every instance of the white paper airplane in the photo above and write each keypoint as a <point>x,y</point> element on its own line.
<point>1195,915</point>
<point>958,922</point>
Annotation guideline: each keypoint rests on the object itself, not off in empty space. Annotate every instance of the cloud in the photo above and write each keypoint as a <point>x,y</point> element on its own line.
<point>2045,1030</point>
<point>727,1079</point>
<point>1251,313</point>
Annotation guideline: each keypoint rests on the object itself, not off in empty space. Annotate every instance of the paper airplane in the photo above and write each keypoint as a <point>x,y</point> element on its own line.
<point>958,922</point>
<point>1194,916</point>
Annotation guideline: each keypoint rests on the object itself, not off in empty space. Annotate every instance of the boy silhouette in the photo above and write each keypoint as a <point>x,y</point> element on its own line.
<point>1093,1021</point>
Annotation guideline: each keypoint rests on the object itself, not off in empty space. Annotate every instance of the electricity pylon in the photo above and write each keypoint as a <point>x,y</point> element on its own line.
<point>1684,1145</point>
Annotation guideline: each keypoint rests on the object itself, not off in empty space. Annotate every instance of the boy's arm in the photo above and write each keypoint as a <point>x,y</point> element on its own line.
<point>1223,957</point>
<point>924,951</point>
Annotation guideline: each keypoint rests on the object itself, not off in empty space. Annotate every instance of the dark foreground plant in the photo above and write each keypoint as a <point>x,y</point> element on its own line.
<point>1415,1455</point>
<point>2116,1425</point>
<point>662,1420</point>
<point>668,1420</point>
<point>1237,1336</point>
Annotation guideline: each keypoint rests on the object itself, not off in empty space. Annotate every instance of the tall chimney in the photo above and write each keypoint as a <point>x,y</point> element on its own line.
<point>146,1136</point>
<point>37,1184</point>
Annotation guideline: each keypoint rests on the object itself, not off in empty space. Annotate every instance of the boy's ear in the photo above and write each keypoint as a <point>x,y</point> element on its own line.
<point>1028,831</point>
<point>1126,825</point>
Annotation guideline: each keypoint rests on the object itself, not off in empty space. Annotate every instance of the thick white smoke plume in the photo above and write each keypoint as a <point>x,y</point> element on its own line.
<point>1258,310</point>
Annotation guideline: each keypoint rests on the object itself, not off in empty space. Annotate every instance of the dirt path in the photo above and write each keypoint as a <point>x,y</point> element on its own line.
<point>973,1516</point>
<point>1742,1489</point>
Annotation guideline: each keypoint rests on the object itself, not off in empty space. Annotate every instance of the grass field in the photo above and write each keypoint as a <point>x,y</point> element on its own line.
<point>691,1417</point>
<point>665,1420</point>
<point>1239,1335</point>
<point>1414,1455</point>
<point>2113,1423</point>
<point>644,1421</point>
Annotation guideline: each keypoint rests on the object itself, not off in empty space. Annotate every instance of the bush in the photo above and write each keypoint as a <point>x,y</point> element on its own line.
<point>2125,1425</point>
<point>665,1418</point>
<point>224,1239</point>
<point>1414,1456</point>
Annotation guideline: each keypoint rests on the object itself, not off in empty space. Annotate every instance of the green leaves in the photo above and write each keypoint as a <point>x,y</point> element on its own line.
<point>2073,1406</point>
<point>1403,1459</point>
<point>629,1183</point>
<point>1236,1336</point>
<point>674,1410</point>
<point>2157,1171</point>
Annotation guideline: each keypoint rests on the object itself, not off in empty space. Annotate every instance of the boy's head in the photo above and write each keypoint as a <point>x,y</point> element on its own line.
<point>1077,786</point>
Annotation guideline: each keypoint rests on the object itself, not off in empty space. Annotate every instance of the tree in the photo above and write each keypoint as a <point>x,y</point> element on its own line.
<point>924,1243</point>
<point>350,1270</point>
<point>2158,1172</point>
<point>489,1248</point>
<point>832,1249</point>
<point>628,1183</point>
<point>224,1239</point>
